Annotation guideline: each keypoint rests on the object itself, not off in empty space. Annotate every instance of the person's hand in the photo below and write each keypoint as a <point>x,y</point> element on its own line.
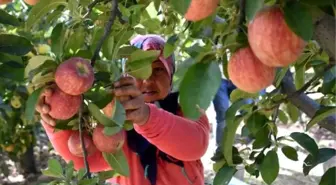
<point>44,108</point>
<point>131,98</point>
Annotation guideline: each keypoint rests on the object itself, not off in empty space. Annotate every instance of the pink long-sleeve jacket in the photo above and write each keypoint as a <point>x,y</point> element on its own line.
<point>179,137</point>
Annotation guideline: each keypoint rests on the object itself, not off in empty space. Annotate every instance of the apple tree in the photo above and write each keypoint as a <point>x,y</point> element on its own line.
<point>284,46</point>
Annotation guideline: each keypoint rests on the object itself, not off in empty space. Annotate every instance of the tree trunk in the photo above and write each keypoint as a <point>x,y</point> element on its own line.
<point>27,161</point>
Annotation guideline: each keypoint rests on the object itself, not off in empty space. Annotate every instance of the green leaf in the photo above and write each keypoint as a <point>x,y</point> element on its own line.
<point>84,53</point>
<point>328,177</point>
<point>252,7</point>
<point>109,131</point>
<point>198,87</point>
<point>14,44</point>
<point>218,165</point>
<point>239,94</point>
<point>252,170</point>
<point>98,114</point>
<point>119,115</point>
<point>118,162</point>
<point>105,175</point>
<point>121,39</point>
<point>53,16</point>
<point>224,176</point>
<point>283,117</point>
<point>262,138</point>
<point>299,20</point>
<point>293,112</point>
<point>170,46</point>
<point>76,40</point>
<point>34,63</point>
<point>320,115</point>
<point>290,153</point>
<point>126,51</point>
<point>31,103</point>
<point>318,3</point>
<point>81,173</point>
<point>57,40</point>
<point>299,76</point>
<point>92,181</point>
<point>256,122</point>
<point>140,63</point>
<point>6,18</point>
<point>46,67</point>
<point>41,9</point>
<point>69,170</point>
<point>66,124</point>
<point>280,75</point>
<point>269,168</point>
<point>54,169</point>
<point>108,47</point>
<point>10,58</point>
<point>152,25</point>
<point>73,7</point>
<point>13,71</point>
<point>180,6</point>
<point>232,123</point>
<point>306,142</point>
<point>98,95</point>
<point>324,154</point>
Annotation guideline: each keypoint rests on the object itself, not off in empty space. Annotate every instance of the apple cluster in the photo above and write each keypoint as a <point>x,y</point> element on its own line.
<point>74,77</point>
<point>271,44</point>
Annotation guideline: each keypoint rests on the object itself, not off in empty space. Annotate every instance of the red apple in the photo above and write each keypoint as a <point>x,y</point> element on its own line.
<point>75,146</point>
<point>2,2</point>
<point>272,41</point>
<point>107,110</point>
<point>200,9</point>
<point>248,73</point>
<point>108,144</point>
<point>74,76</point>
<point>31,2</point>
<point>63,106</point>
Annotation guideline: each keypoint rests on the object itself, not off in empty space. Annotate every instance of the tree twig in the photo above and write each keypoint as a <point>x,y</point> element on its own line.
<point>91,6</point>
<point>274,118</point>
<point>107,31</point>
<point>86,163</point>
<point>119,15</point>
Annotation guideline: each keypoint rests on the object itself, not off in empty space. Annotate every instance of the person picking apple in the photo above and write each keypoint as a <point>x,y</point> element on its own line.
<point>162,144</point>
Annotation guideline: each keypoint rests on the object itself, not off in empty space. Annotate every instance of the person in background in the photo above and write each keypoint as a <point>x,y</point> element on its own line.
<point>164,148</point>
<point>221,104</point>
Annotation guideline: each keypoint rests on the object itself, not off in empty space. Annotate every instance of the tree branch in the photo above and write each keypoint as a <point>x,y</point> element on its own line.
<point>307,85</point>
<point>305,103</point>
<point>86,163</point>
<point>324,34</point>
<point>107,31</point>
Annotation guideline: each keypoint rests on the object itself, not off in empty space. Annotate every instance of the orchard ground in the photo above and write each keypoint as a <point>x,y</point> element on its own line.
<point>290,172</point>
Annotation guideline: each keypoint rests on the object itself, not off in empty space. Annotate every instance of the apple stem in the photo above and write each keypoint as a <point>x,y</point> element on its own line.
<point>107,31</point>
<point>241,15</point>
<point>81,135</point>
